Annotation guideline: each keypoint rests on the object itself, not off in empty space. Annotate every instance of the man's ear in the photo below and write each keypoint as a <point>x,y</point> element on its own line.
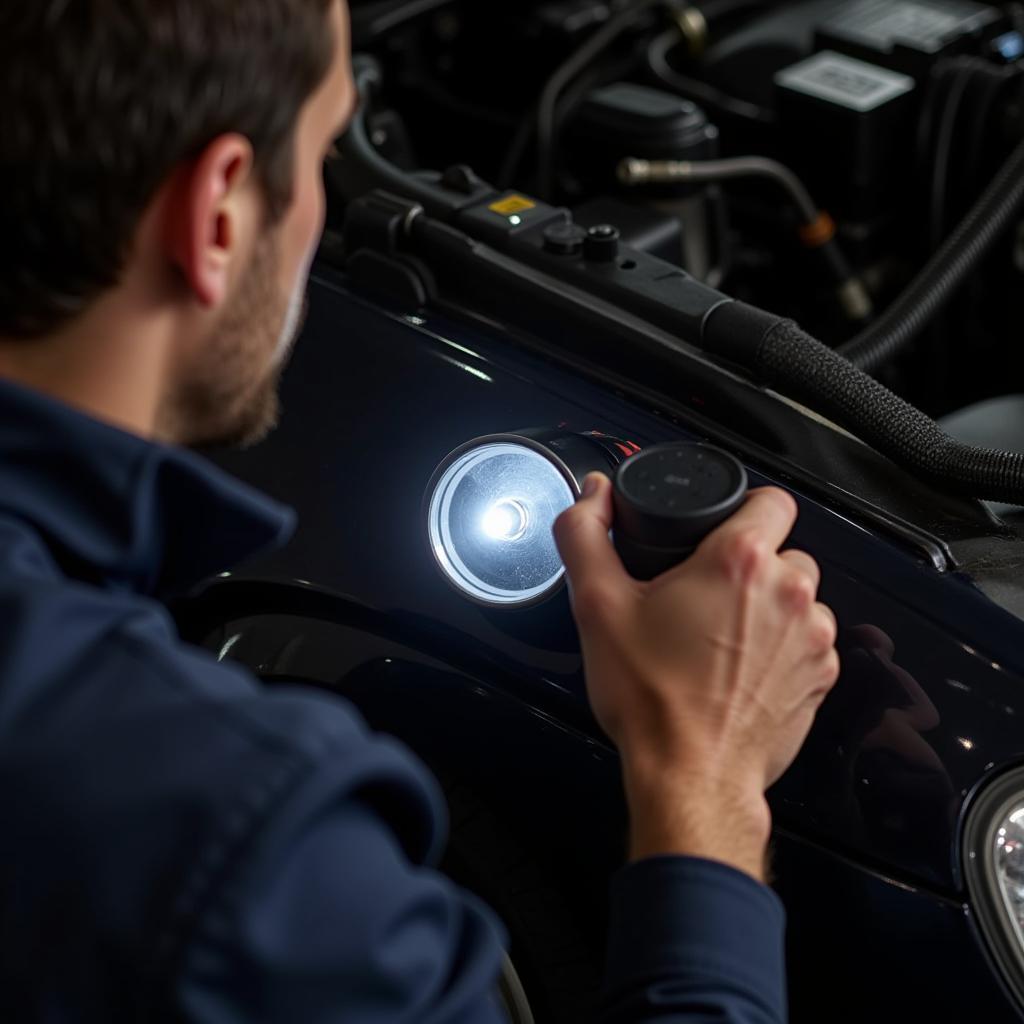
<point>208,203</point>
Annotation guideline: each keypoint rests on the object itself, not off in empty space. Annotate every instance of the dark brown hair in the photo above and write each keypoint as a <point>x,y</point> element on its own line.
<point>101,99</point>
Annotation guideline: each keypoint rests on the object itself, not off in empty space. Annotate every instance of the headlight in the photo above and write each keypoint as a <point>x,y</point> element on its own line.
<point>994,868</point>
<point>492,503</point>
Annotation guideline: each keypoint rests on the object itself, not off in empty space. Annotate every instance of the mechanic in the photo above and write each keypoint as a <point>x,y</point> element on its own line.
<point>176,842</point>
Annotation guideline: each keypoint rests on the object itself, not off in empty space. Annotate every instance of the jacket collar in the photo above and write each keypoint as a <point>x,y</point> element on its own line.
<point>119,511</point>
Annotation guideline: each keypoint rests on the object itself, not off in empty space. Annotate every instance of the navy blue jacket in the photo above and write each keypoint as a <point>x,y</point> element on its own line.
<point>178,843</point>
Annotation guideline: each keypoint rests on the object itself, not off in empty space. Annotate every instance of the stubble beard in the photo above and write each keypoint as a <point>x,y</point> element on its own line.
<point>231,398</point>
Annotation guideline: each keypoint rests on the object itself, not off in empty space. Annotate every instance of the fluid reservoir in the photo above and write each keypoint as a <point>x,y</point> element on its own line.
<point>623,120</point>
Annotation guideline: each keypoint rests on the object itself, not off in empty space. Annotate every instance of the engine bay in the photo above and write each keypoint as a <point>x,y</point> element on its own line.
<point>807,157</point>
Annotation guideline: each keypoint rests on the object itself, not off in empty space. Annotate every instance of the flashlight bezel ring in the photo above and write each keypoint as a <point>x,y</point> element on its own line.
<point>434,538</point>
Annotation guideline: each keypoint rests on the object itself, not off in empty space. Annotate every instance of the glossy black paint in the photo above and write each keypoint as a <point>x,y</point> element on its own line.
<point>930,703</point>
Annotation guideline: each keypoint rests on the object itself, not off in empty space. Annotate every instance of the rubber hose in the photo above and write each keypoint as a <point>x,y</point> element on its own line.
<point>589,51</point>
<point>362,169</point>
<point>786,358</point>
<point>960,255</point>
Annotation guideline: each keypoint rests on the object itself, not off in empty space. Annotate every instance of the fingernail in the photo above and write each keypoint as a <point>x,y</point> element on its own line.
<point>591,484</point>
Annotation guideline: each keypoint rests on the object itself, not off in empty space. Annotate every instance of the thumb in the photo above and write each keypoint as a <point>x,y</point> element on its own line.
<point>581,534</point>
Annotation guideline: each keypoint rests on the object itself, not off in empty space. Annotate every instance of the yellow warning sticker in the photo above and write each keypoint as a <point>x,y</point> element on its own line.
<point>511,205</point>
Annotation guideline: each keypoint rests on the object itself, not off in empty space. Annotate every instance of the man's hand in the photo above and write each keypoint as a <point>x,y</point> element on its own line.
<point>707,678</point>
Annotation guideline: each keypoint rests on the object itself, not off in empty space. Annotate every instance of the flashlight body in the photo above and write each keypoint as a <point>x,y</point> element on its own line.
<point>645,562</point>
<point>668,498</point>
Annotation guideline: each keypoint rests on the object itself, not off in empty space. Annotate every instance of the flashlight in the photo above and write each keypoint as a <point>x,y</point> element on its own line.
<point>492,503</point>
<point>668,498</point>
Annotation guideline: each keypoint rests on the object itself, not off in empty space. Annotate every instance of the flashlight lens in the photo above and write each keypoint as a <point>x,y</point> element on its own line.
<point>491,514</point>
<point>506,520</point>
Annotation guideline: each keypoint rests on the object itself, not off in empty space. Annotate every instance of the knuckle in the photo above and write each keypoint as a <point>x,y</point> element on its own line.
<point>830,669</point>
<point>782,495</point>
<point>797,589</point>
<point>821,638</point>
<point>743,553</point>
<point>809,563</point>
<point>784,498</point>
<point>823,631</point>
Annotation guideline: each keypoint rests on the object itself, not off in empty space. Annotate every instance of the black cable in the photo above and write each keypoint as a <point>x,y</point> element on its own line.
<point>524,135</point>
<point>693,89</point>
<point>943,156</point>
<point>516,152</point>
<point>369,25</point>
<point>717,10</point>
<point>959,256</point>
<point>359,167</point>
<point>955,78</point>
<point>546,121</point>
<point>981,119</point>
<point>926,121</point>
<point>783,356</point>
<point>585,55</point>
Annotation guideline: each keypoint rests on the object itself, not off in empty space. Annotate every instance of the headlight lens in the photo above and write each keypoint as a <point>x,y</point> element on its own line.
<point>1009,865</point>
<point>994,868</point>
<point>490,514</point>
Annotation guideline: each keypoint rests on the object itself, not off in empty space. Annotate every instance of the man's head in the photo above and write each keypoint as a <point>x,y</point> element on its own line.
<point>160,163</point>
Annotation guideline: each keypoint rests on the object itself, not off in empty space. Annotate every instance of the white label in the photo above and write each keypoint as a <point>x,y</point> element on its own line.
<point>843,80</point>
<point>923,26</point>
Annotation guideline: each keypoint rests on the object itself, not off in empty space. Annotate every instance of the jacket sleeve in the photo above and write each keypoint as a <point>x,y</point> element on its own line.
<point>693,942</point>
<point>333,914</point>
<point>331,911</point>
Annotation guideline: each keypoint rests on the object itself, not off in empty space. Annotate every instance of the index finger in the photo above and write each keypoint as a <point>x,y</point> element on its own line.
<point>768,510</point>
<point>581,534</point>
